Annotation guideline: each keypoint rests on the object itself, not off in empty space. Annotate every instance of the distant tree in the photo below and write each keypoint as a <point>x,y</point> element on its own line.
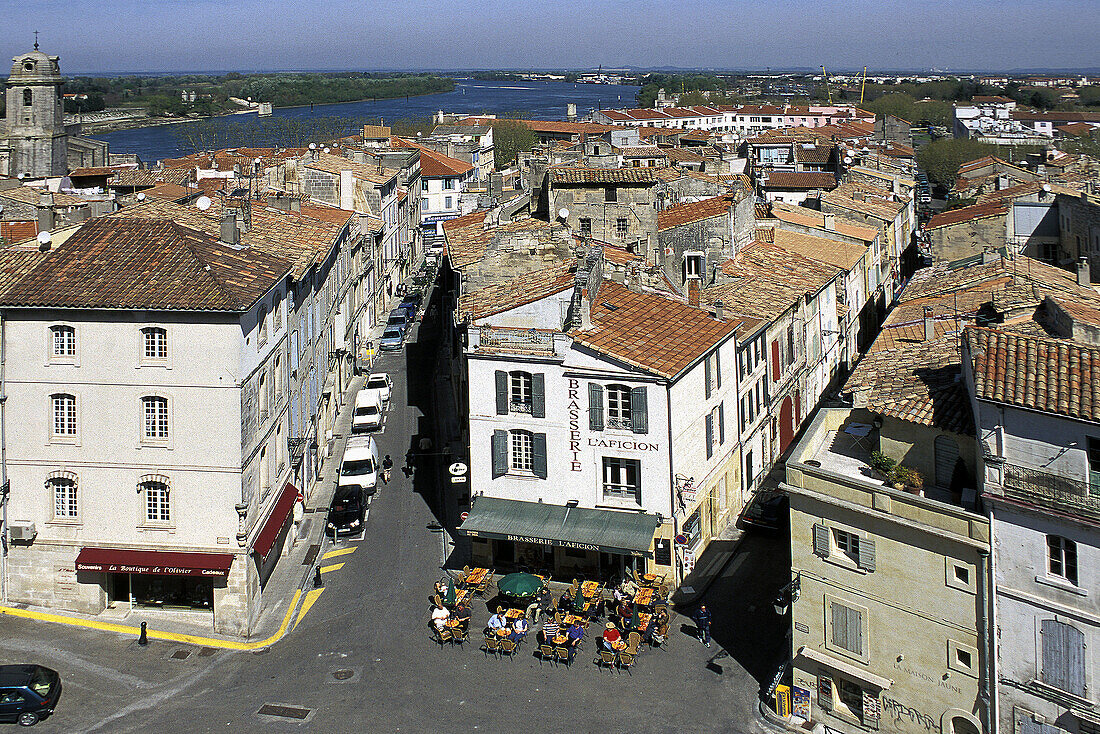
<point>941,159</point>
<point>510,137</point>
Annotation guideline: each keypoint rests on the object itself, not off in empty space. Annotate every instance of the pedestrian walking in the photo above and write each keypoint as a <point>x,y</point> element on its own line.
<point>387,466</point>
<point>702,621</point>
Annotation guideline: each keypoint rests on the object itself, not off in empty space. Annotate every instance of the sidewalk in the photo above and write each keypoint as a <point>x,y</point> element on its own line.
<point>708,568</point>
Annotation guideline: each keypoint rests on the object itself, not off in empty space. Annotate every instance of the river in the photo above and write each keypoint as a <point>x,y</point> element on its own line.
<point>536,100</point>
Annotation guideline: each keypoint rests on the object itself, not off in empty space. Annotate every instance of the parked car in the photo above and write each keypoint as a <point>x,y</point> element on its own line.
<point>392,338</point>
<point>368,411</point>
<point>768,511</point>
<point>28,693</point>
<point>381,382</point>
<point>398,319</point>
<point>411,306</point>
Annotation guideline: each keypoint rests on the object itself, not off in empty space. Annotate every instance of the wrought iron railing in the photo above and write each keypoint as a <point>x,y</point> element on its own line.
<point>1038,487</point>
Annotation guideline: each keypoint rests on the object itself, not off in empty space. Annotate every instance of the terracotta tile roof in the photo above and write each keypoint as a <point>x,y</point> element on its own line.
<point>98,171</point>
<point>152,264</point>
<point>800,180</point>
<point>682,155</point>
<point>1048,375</point>
<point>694,211</point>
<point>18,230</point>
<point>297,237</point>
<point>875,206</point>
<point>805,153</point>
<point>432,163</point>
<point>1024,189</point>
<point>170,191</point>
<point>844,255</point>
<point>613,253</point>
<point>139,178</point>
<point>334,164</point>
<point>769,280</point>
<point>653,332</point>
<point>33,194</point>
<point>1076,128</point>
<point>762,210</point>
<point>465,239</point>
<point>967,214</point>
<point>576,175</point>
<point>642,151</point>
<point>527,288</point>
<point>801,215</point>
<point>15,262</point>
<point>330,214</point>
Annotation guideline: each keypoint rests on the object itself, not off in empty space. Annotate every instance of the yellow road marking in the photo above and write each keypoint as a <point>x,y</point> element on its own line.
<point>339,552</point>
<point>156,634</point>
<point>333,567</point>
<point>311,597</point>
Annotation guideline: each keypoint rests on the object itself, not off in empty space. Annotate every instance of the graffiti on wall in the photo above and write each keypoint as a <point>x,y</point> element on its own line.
<point>898,713</point>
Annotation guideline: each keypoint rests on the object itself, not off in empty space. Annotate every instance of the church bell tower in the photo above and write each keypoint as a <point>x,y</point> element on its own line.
<point>35,126</point>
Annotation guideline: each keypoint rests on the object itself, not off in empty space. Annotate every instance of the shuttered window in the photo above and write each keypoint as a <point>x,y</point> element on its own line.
<point>501,384</point>
<point>821,540</point>
<point>847,628</point>
<point>710,435</point>
<point>595,407</point>
<point>776,366</point>
<point>500,453</point>
<point>1063,657</point>
<point>639,410</point>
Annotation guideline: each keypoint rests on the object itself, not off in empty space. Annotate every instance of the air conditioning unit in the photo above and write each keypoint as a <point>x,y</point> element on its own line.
<point>22,530</point>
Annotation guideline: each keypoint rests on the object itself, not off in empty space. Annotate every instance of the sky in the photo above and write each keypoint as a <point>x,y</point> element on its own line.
<point>247,35</point>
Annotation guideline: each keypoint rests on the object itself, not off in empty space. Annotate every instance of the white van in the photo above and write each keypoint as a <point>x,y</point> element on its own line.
<point>368,411</point>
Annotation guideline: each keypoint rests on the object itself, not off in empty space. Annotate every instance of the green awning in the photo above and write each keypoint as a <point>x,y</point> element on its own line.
<point>610,531</point>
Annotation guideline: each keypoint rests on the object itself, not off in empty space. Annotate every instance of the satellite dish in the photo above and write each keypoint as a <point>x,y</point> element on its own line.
<point>1046,188</point>
<point>141,197</point>
<point>44,237</point>
<point>847,159</point>
<point>327,150</point>
<point>20,177</point>
<point>563,213</point>
<point>203,203</point>
<point>313,146</point>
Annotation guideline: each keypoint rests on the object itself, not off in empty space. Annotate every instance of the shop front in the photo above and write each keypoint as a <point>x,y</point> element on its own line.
<point>563,541</point>
<point>157,579</point>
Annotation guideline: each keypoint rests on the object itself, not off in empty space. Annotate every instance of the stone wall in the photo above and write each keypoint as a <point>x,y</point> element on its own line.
<point>958,241</point>
<point>1079,231</point>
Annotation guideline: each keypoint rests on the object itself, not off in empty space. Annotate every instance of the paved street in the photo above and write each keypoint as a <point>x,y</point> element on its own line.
<point>362,657</point>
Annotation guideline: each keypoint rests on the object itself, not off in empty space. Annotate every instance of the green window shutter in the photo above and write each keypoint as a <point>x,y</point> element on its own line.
<point>717,369</point>
<point>867,554</point>
<point>639,410</point>
<point>538,455</point>
<point>821,540</point>
<point>502,392</point>
<point>538,395</point>
<point>500,453</point>
<point>595,407</point>
<point>721,423</point>
<point>709,386</point>
<point>710,434</point>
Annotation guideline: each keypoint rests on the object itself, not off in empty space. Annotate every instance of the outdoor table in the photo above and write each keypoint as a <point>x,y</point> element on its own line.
<point>643,620</point>
<point>452,623</point>
<point>590,588</point>
<point>651,579</point>
<point>476,576</point>
<point>645,596</point>
<point>573,619</point>
<point>561,639</point>
<point>462,595</point>
<point>514,613</point>
<point>502,632</point>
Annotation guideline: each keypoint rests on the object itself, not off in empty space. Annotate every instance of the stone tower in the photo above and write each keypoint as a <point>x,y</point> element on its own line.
<point>35,129</point>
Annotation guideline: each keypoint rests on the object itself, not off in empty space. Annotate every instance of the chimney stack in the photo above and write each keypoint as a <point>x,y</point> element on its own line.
<point>45,213</point>
<point>830,222</point>
<point>719,310</point>
<point>230,234</point>
<point>1083,276</point>
<point>693,289</point>
<point>347,190</point>
<point>929,324</point>
<point>571,112</point>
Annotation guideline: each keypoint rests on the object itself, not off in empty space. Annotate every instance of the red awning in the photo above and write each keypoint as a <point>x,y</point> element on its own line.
<point>275,520</point>
<point>154,563</point>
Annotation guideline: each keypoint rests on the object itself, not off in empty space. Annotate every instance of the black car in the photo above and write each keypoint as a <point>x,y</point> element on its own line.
<point>768,511</point>
<point>28,693</point>
<point>348,510</point>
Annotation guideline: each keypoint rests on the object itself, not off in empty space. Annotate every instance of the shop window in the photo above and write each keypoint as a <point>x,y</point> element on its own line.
<point>154,343</point>
<point>851,698</point>
<point>62,341</point>
<point>168,592</point>
<point>622,479</point>
<point>64,415</point>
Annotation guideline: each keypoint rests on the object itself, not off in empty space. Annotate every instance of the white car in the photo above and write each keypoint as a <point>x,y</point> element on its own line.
<point>380,381</point>
<point>368,412</point>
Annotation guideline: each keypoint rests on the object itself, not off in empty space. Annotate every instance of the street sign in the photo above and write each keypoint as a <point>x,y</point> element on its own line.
<point>463,516</point>
<point>457,469</point>
<point>680,539</point>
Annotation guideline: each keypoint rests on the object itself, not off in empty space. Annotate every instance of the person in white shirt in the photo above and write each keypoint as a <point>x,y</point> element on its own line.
<point>440,615</point>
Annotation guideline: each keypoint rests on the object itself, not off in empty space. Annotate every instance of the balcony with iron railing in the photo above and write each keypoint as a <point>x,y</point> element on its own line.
<point>1052,491</point>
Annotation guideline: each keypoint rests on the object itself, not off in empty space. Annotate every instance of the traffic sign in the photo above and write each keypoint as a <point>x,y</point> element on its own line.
<point>457,469</point>
<point>680,539</point>
<point>463,516</point>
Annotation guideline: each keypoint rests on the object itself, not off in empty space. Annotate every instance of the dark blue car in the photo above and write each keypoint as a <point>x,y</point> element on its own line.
<point>28,693</point>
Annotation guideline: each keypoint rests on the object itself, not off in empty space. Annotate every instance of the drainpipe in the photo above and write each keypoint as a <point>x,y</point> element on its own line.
<point>986,632</point>
<point>672,482</point>
<point>4,489</point>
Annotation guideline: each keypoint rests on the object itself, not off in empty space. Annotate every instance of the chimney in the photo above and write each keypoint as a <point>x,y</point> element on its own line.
<point>45,213</point>
<point>896,187</point>
<point>586,310</point>
<point>571,112</point>
<point>347,190</point>
<point>929,324</point>
<point>230,235</point>
<point>830,222</point>
<point>693,288</point>
<point>1083,277</point>
<point>719,311</point>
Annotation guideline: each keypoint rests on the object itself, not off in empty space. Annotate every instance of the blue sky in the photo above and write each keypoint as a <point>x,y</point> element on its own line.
<point>133,35</point>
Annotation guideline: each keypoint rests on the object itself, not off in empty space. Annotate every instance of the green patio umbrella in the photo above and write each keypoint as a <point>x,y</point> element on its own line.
<point>520,584</point>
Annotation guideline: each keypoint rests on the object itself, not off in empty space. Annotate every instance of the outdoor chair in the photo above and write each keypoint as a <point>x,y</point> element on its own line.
<point>660,637</point>
<point>605,658</point>
<point>561,654</point>
<point>458,636</point>
<point>626,660</point>
<point>507,647</point>
<point>492,645</point>
<point>546,652</point>
<point>633,641</point>
<point>443,636</point>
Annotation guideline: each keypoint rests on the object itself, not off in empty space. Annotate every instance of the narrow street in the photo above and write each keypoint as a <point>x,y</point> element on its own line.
<point>363,659</point>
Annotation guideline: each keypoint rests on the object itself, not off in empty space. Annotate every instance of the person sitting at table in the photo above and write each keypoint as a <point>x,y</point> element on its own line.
<point>565,603</point>
<point>441,587</point>
<point>520,628</point>
<point>629,588</point>
<point>497,621</point>
<point>575,635</point>
<point>549,631</point>
<point>618,594</point>
<point>462,614</point>
<point>625,610</point>
<point>611,636</point>
<point>440,615</point>
<point>656,622</point>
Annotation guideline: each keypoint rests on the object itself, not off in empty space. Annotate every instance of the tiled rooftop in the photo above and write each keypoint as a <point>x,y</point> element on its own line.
<point>509,293</point>
<point>967,214</point>
<point>680,214</point>
<point>575,175</point>
<point>334,164</point>
<point>813,218</point>
<point>800,180</point>
<point>844,255</point>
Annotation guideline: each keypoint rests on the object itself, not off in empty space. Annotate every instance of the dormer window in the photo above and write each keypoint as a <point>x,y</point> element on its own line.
<point>28,66</point>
